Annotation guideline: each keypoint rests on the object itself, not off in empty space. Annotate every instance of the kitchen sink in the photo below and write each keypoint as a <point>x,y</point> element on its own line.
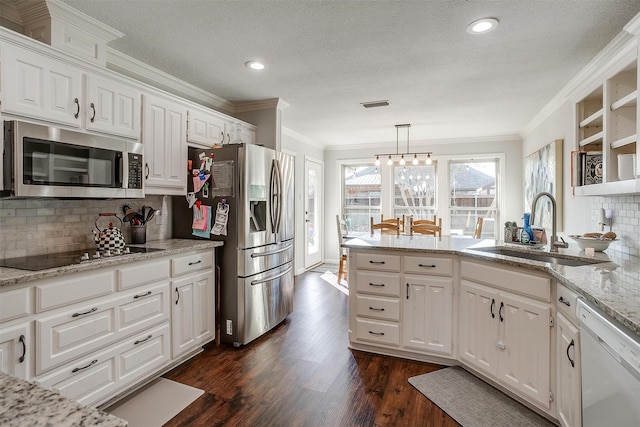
<point>543,257</point>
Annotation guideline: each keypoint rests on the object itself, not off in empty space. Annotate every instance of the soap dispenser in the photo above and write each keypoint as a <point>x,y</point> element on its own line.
<point>527,232</point>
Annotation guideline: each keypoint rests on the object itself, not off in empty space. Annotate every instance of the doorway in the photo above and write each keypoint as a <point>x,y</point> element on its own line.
<point>313,220</point>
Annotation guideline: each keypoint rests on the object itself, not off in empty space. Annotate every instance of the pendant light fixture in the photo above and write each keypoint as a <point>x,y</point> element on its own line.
<point>402,161</point>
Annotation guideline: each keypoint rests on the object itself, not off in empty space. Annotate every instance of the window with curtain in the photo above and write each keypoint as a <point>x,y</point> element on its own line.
<point>473,186</point>
<point>362,192</point>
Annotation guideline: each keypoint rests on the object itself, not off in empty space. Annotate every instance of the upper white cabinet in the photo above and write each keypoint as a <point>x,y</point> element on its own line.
<point>44,88</point>
<point>37,86</point>
<point>607,124</point>
<point>113,107</point>
<point>165,147</point>
<point>209,128</point>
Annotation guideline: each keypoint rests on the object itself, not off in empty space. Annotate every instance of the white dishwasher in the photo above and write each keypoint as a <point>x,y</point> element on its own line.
<point>610,371</point>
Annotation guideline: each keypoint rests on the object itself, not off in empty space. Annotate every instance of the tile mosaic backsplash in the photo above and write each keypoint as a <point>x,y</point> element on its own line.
<point>626,221</point>
<point>41,226</point>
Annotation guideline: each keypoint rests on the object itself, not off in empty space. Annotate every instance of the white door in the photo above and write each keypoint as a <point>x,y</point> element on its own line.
<point>313,203</point>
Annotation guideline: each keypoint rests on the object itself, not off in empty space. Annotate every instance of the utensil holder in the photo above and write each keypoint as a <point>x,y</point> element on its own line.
<point>138,234</point>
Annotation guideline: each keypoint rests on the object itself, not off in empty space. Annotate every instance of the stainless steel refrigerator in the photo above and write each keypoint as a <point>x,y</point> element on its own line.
<point>256,261</point>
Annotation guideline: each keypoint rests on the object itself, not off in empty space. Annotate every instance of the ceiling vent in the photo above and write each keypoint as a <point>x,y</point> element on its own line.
<point>59,25</point>
<point>374,104</point>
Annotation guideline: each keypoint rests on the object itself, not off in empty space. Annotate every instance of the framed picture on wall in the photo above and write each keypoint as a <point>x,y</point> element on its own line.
<point>543,173</point>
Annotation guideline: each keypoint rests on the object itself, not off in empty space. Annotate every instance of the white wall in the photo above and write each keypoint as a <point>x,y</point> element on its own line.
<point>510,147</point>
<point>300,147</point>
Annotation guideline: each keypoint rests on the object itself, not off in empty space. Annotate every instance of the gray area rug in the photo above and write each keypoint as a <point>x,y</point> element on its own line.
<point>472,402</point>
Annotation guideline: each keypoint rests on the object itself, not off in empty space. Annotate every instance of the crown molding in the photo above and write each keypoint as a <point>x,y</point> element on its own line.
<point>622,48</point>
<point>138,70</point>
<point>265,104</point>
<point>302,138</point>
<point>633,26</point>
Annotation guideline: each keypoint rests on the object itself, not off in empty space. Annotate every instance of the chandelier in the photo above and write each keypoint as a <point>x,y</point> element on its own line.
<point>413,157</point>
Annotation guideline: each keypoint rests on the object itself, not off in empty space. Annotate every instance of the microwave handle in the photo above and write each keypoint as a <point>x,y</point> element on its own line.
<point>120,170</point>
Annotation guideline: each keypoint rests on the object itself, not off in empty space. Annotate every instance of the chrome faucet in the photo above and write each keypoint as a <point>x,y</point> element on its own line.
<point>555,244</point>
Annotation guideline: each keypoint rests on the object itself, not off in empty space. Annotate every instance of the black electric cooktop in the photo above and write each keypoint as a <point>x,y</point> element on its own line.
<point>44,262</point>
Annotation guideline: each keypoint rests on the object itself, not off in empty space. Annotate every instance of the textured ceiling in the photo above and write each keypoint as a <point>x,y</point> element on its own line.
<point>326,57</point>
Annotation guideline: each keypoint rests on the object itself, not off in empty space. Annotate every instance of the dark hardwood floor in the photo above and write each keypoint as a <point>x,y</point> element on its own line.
<point>303,374</point>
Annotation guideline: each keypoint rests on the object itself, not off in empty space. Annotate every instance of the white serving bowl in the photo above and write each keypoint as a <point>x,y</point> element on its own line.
<point>597,243</point>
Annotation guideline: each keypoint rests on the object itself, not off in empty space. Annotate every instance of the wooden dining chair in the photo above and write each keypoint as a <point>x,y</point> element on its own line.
<point>388,226</point>
<point>343,264</point>
<point>478,230</point>
<point>426,226</point>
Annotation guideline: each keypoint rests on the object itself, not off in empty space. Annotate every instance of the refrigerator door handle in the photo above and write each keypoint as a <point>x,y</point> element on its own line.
<point>272,196</point>
<point>261,254</point>
<point>268,279</point>
<point>280,201</point>
<point>275,196</point>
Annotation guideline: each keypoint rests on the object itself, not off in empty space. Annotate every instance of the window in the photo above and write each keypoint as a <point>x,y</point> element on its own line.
<point>473,188</point>
<point>362,195</point>
<point>414,190</point>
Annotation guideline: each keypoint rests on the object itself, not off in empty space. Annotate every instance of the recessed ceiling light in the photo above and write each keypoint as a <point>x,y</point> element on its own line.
<point>482,26</point>
<point>255,65</point>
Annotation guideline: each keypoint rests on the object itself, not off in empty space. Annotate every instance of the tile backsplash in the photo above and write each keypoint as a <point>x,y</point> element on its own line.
<point>626,221</point>
<point>41,226</point>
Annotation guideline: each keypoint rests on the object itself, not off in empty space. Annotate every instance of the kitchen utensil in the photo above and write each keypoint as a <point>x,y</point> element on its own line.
<point>109,238</point>
<point>150,214</point>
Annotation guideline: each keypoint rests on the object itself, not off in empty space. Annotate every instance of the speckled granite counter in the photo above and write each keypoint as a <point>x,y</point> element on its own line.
<point>613,285</point>
<point>25,404</point>
<point>12,276</point>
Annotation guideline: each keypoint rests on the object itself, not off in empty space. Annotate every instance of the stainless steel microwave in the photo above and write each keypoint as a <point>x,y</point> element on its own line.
<point>46,161</point>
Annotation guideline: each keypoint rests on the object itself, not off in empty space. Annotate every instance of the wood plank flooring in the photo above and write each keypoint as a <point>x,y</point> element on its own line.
<point>303,374</point>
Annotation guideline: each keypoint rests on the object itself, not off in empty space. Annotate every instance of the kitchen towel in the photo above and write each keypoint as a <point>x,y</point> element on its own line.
<point>204,233</point>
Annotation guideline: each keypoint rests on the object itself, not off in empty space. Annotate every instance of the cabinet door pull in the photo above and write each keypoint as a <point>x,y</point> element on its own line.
<point>22,341</point>
<point>75,100</point>
<point>86,312</point>
<point>571,344</point>
<point>564,301</point>
<point>93,116</point>
<point>376,262</point>
<point>407,290</point>
<point>178,294</point>
<point>377,285</point>
<point>493,302</point>
<point>93,362</point>
<point>195,262</point>
<point>142,295</point>
<point>143,340</point>
<point>427,265</point>
<point>500,311</point>
<point>146,169</point>
<point>376,309</point>
<point>377,333</point>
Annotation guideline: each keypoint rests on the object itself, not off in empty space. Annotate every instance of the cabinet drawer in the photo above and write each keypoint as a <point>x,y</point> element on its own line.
<point>378,331</point>
<point>378,262</point>
<point>515,281</point>
<point>79,287</point>
<point>72,333</point>
<point>15,304</point>
<point>191,262</point>
<point>378,308</point>
<point>378,283</point>
<point>566,302</point>
<point>96,377</point>
<point>142,273</point>
<point>428,265</point>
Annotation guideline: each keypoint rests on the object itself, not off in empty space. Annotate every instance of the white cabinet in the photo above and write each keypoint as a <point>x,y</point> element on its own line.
<point>504,334</point>
<point>40,87</point>
<point>192,311</point>
<point>112,107</point>
<point>165,148</point>
<point>427,314</point>
<point>45,88</point>
<point>568,379</point>
<point>206,129</point>
<point>16,350</point>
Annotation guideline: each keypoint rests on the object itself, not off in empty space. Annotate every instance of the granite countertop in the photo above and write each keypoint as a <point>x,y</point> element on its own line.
<point>12,276</point>
<point>25,404</point>
<point>613,285</point>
